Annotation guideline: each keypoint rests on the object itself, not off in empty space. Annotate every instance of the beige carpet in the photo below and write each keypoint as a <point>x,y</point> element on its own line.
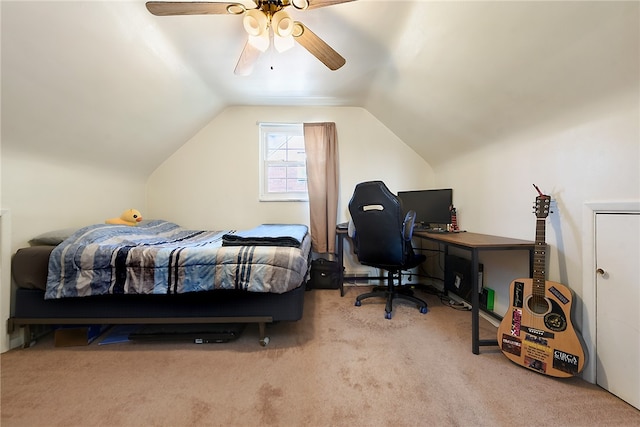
<point>340,366</point>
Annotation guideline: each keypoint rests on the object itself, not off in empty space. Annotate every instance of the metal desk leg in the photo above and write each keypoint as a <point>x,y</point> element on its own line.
<point>341,237</point>
<point>475,304</point>
<point>476,342</point>
<point>445,252</point>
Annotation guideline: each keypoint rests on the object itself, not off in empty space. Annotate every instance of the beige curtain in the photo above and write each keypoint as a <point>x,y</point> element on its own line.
<point>321,146</point>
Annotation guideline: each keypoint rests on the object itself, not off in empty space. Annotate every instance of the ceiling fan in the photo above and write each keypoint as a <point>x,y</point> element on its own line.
<point>267,23</point>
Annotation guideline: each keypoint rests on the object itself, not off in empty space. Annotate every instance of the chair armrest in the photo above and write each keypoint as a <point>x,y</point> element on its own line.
<point>351,229</point>
<point>407,225</point>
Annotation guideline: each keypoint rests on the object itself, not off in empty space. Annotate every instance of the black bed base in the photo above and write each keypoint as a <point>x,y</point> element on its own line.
<point>219,306</point>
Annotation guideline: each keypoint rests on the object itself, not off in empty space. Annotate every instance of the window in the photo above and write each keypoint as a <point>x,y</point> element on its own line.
<point>283,170</point>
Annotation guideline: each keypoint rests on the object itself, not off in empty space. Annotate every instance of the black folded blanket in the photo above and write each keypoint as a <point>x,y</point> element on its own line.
<point>287,235</point>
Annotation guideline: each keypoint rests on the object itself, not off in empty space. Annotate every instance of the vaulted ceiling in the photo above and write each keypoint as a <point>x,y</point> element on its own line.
<point>90,80</point>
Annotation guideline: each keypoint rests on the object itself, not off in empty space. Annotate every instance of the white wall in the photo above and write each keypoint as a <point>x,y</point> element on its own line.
<point>590,155</point>
<point>212,181</point>
<point>43,195</point>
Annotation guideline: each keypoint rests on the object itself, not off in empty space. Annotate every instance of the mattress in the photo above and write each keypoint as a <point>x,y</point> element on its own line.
<point>29,267</point>
<point>159,258</point>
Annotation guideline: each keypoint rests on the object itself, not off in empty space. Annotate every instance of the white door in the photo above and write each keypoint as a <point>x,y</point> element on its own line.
<point>618,305</point>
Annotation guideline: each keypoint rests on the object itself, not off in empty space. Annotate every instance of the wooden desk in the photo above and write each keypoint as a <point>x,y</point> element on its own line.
<point>474,243</point>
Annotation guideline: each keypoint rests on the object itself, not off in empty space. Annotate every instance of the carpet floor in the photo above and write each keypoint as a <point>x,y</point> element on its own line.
<point>339,366</point>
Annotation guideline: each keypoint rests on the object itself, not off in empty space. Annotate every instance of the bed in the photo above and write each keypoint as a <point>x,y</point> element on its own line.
<point>161,273</point>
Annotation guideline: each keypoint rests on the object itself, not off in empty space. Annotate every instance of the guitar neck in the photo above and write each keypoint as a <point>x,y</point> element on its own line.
<point>540,259</point>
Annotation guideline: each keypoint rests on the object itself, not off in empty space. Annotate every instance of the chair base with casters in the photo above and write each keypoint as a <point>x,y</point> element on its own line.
<point>390,293</point>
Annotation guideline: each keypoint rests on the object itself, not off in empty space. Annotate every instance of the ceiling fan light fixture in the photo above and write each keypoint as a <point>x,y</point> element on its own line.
<point>263,21</point>
<point>298,29</point>
<point>260,42</point>
<point>282,24</point>
<point>283,44</point>
<point>300,4</point>
<point>236,9</point>
<point>255,22</point>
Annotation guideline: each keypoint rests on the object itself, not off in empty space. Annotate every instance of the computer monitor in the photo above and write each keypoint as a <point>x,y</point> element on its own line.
<point>432,207</point>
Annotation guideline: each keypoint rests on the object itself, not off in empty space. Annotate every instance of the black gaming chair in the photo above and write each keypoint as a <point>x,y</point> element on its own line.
<point>382,239</point>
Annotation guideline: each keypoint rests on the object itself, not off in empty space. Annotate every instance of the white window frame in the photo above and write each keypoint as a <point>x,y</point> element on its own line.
<point>281,128</point>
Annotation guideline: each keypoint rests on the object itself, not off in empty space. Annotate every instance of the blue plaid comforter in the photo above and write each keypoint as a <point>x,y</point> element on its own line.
<point>160,257</point>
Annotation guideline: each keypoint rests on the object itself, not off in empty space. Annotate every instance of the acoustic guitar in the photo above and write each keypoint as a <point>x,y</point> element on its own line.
<point>537,331</point>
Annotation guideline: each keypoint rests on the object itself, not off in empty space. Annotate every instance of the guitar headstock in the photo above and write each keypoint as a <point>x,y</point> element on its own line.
<point>542,207</point>
<point>543,204</point>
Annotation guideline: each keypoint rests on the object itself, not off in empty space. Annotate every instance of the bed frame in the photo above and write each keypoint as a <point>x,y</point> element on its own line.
<point>220,306</point>
<point>29,268</point>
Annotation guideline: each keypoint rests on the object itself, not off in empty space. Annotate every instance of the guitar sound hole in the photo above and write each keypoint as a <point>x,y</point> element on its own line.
<point>538,305</point>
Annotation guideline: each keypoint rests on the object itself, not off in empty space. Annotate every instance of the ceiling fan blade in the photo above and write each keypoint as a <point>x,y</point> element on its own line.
<point>247,60</point>
<point>168,8</point>
<point>315,4</point>
<point>317,47</point>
